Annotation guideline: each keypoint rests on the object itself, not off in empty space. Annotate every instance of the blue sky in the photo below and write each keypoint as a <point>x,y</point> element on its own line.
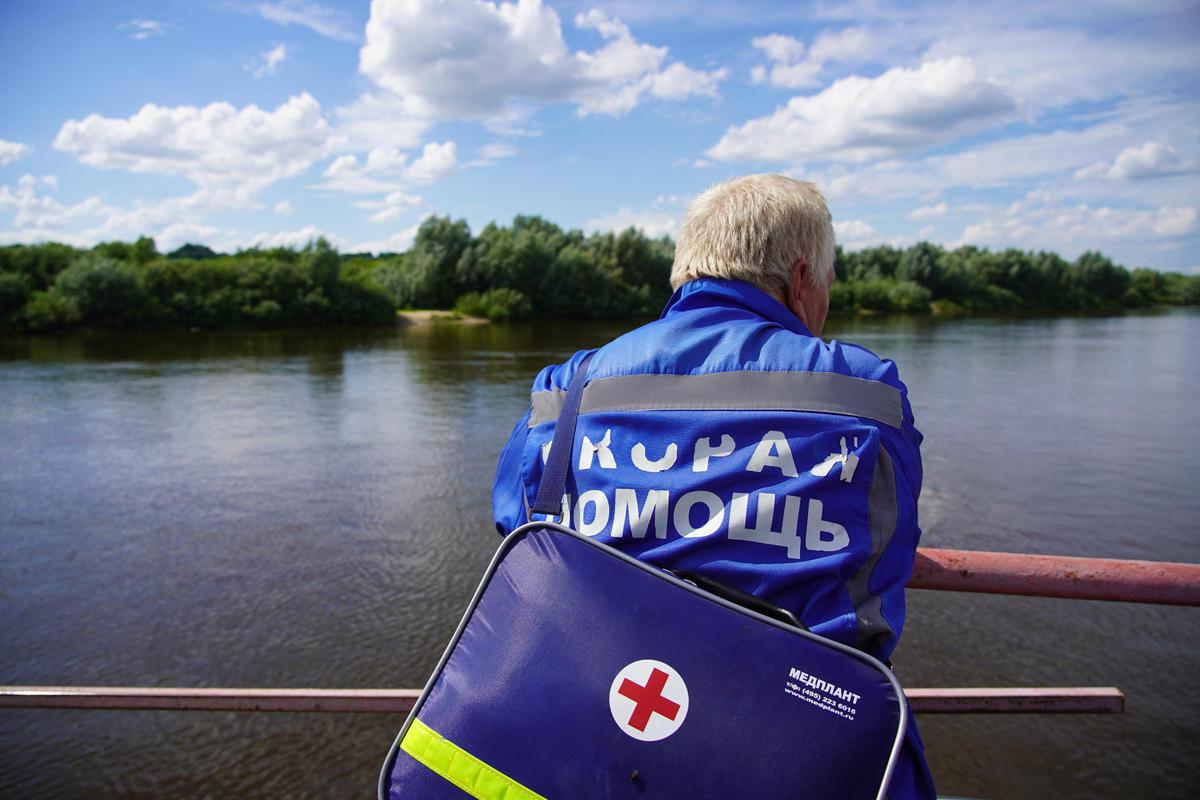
<point>1062,126</point>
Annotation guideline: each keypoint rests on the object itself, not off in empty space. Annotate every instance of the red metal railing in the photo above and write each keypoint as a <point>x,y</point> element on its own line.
<point>950,570</point>
<point>1104,700</point>
<point>1159,582</point>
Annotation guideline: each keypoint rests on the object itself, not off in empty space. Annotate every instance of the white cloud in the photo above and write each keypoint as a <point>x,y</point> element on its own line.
<point>778,47</point>
<point>283,208</point>
<point>858,119</point>
<point>1047,65</point>
<point>491,153</point>
<point>295,238</point>
<point>848,45</point>
<point>140,29</point>
<point>652,223</point>
<point>396,243</point>
<point>793,66</point>
<point>234,152</point>
<point>387,169</point>
<point>11,151</point>
<point>1175,221</point>
<point>1151,160</point>
<point>497,150</point>
<point>391,207</point>
<point>929,212</point>
<point>37,210</point>
<point>327,22</point>
<point>1043,220</point>
<point>678,81</point>
<point>180,233</point>
<point>41,217</point>
<point>379,119</point>
<point>268,61</point>
<point>468,59</point>
<point>855,233</point>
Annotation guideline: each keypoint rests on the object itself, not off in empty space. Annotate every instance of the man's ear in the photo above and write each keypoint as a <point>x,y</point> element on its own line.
<point>797,287</point>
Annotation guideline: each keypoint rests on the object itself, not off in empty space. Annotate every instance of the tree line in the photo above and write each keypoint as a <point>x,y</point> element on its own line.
<point>511,273</point>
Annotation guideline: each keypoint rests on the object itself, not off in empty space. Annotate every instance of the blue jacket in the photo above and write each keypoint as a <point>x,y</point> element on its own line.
<point>727,439</point>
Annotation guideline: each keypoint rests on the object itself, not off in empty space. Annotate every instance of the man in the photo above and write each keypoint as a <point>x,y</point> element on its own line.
<point>728,439</point>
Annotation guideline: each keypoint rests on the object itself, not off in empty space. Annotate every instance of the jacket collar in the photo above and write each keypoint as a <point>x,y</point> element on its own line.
<point>718,292</point>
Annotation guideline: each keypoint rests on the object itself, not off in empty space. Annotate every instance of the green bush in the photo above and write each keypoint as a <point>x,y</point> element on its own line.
<point>105,291</point>
<point>873,294</point>
<point>498,305</point>
<point>14,293</point>
<point>909,298</point>
<point>49,311</point>
<point>841,297</point>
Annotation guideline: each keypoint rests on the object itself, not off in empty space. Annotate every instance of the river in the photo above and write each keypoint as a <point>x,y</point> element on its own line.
<point>311,508</point>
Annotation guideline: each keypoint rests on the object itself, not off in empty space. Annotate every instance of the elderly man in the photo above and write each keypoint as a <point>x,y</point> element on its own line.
<point>727,438</point>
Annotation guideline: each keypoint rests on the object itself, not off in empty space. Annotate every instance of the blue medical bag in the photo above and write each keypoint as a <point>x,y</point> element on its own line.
<point>580,672</point>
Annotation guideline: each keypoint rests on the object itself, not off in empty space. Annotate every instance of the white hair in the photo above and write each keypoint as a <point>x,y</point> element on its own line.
<point>753,229</point>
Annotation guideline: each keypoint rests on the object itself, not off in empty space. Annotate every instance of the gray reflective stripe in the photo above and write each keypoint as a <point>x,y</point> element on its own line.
<point>825,392</point>
<point>873,628</point>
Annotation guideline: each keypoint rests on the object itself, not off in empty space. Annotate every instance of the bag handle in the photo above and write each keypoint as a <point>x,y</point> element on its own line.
<point>558,464</point>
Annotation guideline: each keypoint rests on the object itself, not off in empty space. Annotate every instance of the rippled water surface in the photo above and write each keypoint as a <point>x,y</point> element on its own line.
<point>311,509</point>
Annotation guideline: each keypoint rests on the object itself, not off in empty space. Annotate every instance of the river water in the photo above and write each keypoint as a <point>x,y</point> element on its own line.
<point>311,508</point>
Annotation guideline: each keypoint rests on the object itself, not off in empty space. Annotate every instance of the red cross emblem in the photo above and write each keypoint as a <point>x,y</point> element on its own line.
<point>648,700</point>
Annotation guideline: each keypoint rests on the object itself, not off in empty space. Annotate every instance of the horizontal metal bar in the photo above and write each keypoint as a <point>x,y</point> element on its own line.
<point>1075,700</point>
<point>224,699</point>
<point>1160,582</point>
<point>1011,700</point>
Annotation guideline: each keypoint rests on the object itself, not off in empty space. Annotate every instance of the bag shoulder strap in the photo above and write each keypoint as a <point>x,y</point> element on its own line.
<point>554,477</point>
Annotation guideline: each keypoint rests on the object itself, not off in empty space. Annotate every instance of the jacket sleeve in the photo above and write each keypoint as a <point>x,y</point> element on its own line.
<point>508,491</point>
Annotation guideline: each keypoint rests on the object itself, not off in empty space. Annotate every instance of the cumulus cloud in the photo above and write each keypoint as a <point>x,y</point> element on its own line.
<point>327,22</point>
<point>929,212</point>
<point>225,150</point>
<point>396,243</point>
<point>653,224</point>
<point>1150,160</point>
<point>268,61</point>
<point>180,233</point>
<point>35,209</point>
<point>793,66</point>
<point>387,168</point>
<point>857,119</point>
<point>41,217</point>
<point>1042,219</point>
<point>469,59</point>
<point>497,150</point>
<point>379,119</point>
<point>295,238</point>
<point>855,233</point>
<point>140,29</point>
<point>491,153</point>
<point>390,208</point>
<point>283,208</point>
<point>11,151</point>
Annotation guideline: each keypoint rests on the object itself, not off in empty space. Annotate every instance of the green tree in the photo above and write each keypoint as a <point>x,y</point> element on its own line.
<point>322,264</point>
<point>197,252</point>
<point>922,263</point>
<point>143,251</point>
<point>106,292</point>
<point>1098,277</point>
<point>14,293</point>
<point>439,244</point>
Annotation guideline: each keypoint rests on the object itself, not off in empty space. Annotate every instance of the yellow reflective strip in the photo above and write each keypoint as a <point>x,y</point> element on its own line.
<point>456,765</point>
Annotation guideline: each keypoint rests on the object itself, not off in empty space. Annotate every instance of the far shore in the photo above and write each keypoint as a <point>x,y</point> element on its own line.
<point>427,316</point>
